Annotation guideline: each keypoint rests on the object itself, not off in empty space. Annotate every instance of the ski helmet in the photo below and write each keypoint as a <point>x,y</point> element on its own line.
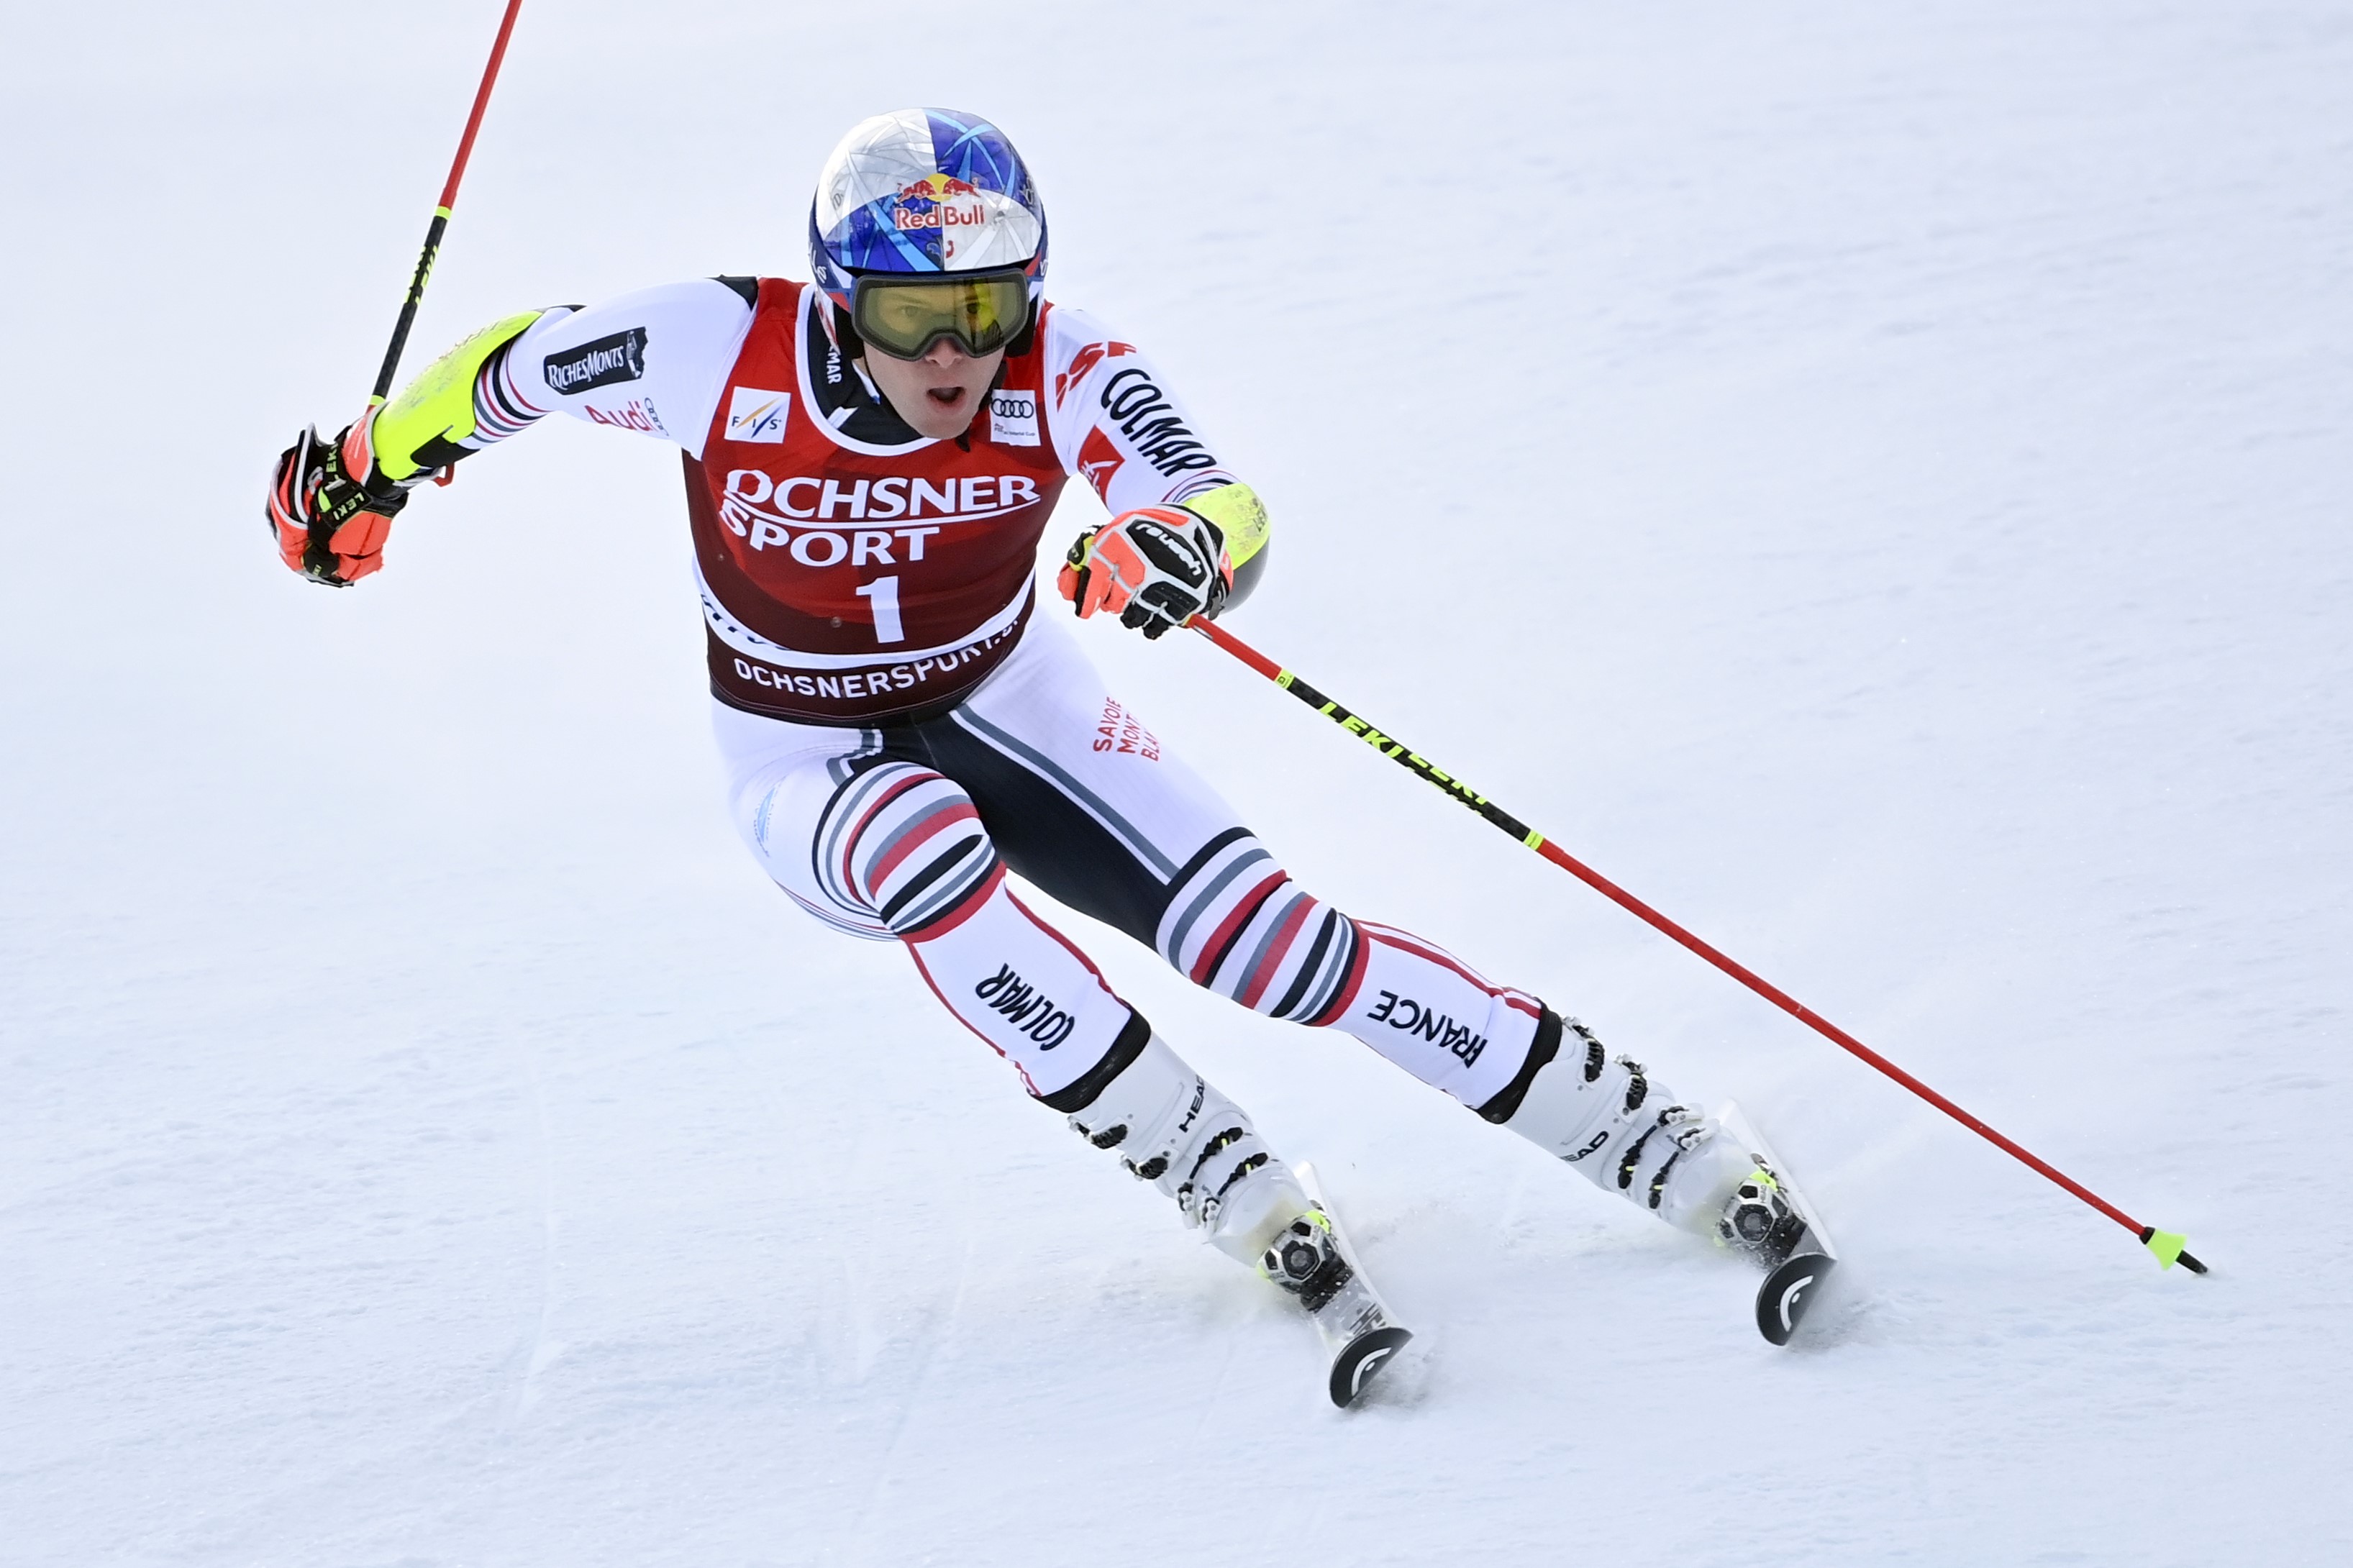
<point>921,190</point>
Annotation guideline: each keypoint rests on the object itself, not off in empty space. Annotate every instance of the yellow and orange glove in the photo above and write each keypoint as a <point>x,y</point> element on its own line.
<point>331,507</point>
<point>1155,568</point>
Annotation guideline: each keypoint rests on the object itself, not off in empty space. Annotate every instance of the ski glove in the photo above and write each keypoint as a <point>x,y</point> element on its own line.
<point>1156,567</point>
<point>330,506</point>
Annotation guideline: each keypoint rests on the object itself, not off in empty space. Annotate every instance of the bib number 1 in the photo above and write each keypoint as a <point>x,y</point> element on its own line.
<point>882,596</point>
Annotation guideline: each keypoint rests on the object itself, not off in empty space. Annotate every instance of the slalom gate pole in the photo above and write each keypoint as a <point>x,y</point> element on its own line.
<point>2166,1245</point>
<point>441,213</point>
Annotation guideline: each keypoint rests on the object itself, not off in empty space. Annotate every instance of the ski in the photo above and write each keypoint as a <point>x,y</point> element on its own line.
<point>1314,1260</point>
<point>1788,1291</point>
<point>1769,1220</point>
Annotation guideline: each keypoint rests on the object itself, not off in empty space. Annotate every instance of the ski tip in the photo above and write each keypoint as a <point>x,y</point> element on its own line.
<point>1783,1299</point>
<point>2167,1246</point>
<point>1353,1369</point>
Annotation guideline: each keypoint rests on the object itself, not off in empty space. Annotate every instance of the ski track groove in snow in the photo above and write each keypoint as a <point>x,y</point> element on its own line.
<point>1871,480</point>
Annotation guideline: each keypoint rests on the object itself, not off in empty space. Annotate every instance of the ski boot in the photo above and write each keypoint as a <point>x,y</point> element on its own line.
<point>1713,1176</point>
<point>1173,1129</point>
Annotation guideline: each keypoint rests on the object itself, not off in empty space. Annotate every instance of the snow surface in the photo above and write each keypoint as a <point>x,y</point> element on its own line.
<point>1871,478</point>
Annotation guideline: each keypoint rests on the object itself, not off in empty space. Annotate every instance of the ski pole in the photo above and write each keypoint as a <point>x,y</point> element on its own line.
<point>2166,1245</point>
<point>441,213</point>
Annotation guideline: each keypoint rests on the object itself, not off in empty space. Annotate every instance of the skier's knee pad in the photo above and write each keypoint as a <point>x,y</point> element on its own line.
<point>1608,1117</point>
<point>902,847</point>
<point>1170,1126</point>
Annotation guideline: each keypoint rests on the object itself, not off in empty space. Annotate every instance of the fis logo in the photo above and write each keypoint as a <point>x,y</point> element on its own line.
<point>757,415</point>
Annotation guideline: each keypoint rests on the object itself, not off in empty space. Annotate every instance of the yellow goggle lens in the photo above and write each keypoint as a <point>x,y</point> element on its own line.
<point>982,313</point>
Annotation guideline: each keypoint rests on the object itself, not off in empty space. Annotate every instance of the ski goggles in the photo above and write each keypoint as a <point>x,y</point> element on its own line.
<point>904,316</point>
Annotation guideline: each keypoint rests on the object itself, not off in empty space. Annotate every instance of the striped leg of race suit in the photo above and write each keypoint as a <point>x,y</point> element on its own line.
<point>907,832</point>
<point>892,848</point>
<point>889,849</point>
<point>1236,924</point>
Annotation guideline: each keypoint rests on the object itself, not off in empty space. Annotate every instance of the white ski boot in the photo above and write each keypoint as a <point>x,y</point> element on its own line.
<point>1173,1129</point>
<point>1711,1176</point>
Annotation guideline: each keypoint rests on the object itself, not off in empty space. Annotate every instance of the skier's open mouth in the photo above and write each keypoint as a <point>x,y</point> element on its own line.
<point>946,396</point>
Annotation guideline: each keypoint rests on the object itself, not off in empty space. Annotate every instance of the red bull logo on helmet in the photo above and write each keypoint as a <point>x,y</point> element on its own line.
<point>932,187</point>
<point>938,201</point>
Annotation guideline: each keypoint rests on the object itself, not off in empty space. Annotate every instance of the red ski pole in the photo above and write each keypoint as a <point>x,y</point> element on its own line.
<point>2166,1245</point>
<point>441,212</point>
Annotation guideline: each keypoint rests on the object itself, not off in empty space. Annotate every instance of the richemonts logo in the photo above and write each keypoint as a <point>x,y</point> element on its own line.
<point>604,363</point>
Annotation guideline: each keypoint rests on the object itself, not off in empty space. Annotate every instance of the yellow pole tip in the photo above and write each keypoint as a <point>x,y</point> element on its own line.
<point>2169,1248</point>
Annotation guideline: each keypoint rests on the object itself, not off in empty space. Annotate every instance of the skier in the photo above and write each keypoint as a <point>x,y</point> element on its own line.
<point>871,461</point>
